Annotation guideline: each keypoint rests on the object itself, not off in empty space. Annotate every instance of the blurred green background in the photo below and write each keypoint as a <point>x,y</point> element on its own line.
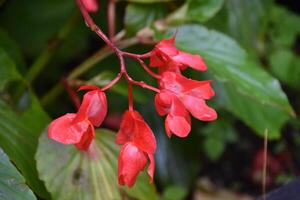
<point>252,49</point>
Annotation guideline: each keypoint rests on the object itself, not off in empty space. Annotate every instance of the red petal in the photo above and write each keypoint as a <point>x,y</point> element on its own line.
<point>63,129</point>
<point>90,5</point>
<point>178,125</point>
<point>193,61</point>
<point>135,129</point>
<point>144,137</point>
<point>131,162</point>
<point>199,109</point>
<point>86,139</point>
<point>151,167</point>
<point>93,107</point>
<point>126,131</point>
<point>163,103</point>
<point>88,87</point>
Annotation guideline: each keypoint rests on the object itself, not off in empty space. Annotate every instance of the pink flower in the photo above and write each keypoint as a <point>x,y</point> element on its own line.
<point>78,128</point>
<point>167,57</point>
<point>139,145</point>
<point>91,5</point>
<point>180,95</point>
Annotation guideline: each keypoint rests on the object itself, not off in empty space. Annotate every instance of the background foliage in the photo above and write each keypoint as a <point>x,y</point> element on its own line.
<point>252,51</point>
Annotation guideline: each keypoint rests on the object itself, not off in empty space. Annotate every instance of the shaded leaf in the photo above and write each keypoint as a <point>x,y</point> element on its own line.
<point>245,84</point>
<point>139,16</point>
<point>86,176</point>
<point>19,131</point>
<point>12,183</point>
<point>8,70</point>
<point>196,10</point>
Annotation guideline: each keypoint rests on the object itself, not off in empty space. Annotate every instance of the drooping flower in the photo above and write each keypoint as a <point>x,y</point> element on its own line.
<point>167,57</point>
<point>78,128</point>
<point>91,5</point>
<point>178,120</point>
<point>180,95</point>
<point>139,145</point>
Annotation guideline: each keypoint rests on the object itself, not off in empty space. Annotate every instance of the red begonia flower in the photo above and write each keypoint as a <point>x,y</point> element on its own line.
<point>64,130</point>
<point>78,128</point>
<point>167,57</point>
<point>93,107</point>
<point>91,5</point>
<point>139,144</point>
<point>178,120</point>
<point>191,93</point>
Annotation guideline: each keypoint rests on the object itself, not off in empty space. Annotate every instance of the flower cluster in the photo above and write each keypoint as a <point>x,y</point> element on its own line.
<point>177,98</point>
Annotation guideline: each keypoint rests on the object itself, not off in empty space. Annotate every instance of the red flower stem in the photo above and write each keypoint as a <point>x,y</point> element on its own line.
<point>112,83</point>
<point>111,13</point>
<point>91,24</point>
<point>145,67</point>
<point>133,55</point>
<point>130,97</point>
<point>71,92</point>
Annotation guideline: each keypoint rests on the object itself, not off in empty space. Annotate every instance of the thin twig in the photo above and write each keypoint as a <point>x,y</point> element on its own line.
<point>264,175</point>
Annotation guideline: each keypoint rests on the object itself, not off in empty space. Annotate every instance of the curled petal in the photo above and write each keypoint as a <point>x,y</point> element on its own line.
<point>63,129</point>
<point>131,161</point>
<point>93,107</point>
<point>86,139</point>
<point>177,125</point>
<point>151,167</point>
<point>198,108</point>
<point>126,131</point>
<point>163,102</point>
<point>135,129</point>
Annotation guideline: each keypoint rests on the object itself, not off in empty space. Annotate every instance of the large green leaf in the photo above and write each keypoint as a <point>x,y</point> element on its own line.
<point>71,174</point>
<point>8,70</point>
<point>247,21</point>
<point>196,10</point>
<point>285,65</point>
<point>12,183</point>
<point>246,85</point>
<point>33,24</point>
<point>19,131</point>
<point>13,50</point>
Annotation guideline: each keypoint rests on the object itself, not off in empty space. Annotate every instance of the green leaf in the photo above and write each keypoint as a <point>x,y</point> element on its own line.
<point>12,183</point>
<point>8,70</point>
<point>285,65</point>
<point>13,50</point>
<point>174,193</point>
<point>203,10</point>
<point>246,85</point>
<point>217,134</point>
<point>71,174</point>
<point>33,24</point>
<point>247,20</point>
<point>285,26</point>
<point>139,16</point>
<point>19,131</point>
<point>196,10</point>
